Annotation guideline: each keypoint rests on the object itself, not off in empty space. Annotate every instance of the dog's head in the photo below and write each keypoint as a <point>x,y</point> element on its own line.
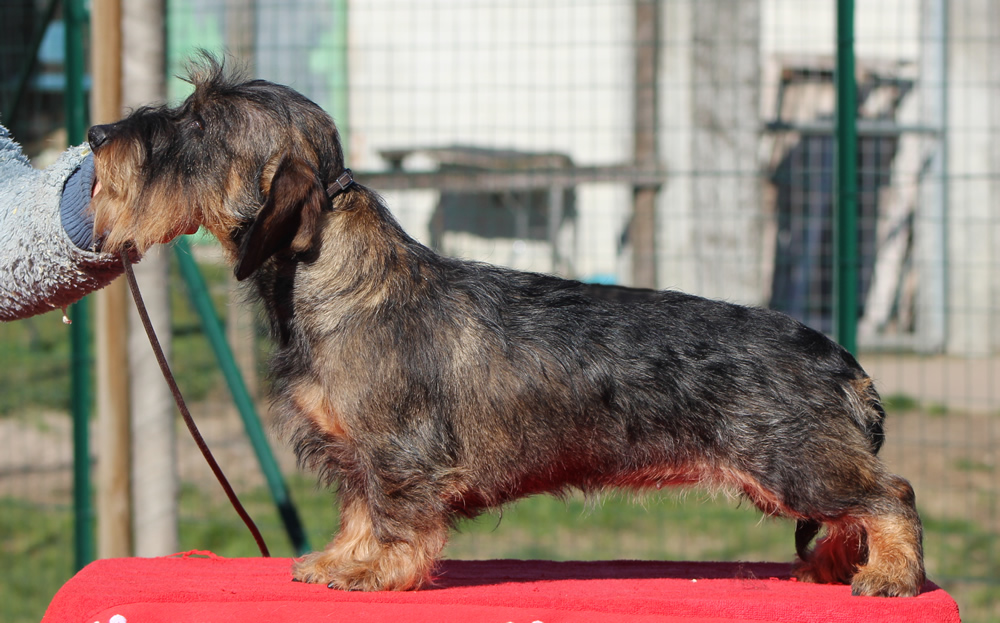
<point>249,160</point>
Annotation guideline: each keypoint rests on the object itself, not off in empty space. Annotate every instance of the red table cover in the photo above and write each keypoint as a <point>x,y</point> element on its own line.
<point>199,586</point>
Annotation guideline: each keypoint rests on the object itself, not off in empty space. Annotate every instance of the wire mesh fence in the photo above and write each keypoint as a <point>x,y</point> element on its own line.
<point>679,143</point>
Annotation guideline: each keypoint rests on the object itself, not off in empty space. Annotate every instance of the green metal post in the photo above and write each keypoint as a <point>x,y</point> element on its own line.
<point>198,293</point>
<point>846,225</point>
<point>80,381</point>
<point>75,18</point>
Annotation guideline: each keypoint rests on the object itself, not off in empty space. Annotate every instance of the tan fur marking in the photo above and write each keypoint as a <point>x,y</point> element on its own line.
<point>893,548</point>
<point>878,554</point>
<point>356,560</point>
<point>164,211</point>
<point>311,400</point>
<point>117,167</point>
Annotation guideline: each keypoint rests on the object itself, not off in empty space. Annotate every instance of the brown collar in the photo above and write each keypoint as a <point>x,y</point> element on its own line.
<point>344,181</point>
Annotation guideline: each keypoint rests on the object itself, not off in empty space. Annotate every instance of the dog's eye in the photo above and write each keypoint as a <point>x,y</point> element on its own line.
<point>197,124</point>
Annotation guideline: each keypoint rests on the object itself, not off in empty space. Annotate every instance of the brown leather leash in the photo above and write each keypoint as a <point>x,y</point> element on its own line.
<point>182,406</point>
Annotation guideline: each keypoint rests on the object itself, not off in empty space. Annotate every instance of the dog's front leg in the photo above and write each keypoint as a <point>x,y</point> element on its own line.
<point>383,544</point>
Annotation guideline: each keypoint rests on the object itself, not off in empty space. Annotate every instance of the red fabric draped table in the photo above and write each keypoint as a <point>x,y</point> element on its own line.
<point>202,587</point>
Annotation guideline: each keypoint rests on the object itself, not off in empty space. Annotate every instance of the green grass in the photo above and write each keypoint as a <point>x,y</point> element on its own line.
<point>226,535</point>
<point>35,355</point>
<point>903,403</point>
<point>900,403</point>
<point>669,526</point>
<point>36,352</point>
<point>36,543</point>
<point>962,557</point>
<point>673,526</point>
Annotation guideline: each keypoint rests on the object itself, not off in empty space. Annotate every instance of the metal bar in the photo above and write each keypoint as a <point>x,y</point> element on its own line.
<point>80,381</point>
<point>500,181</point>
<point>554,224</point>
<point>200,300</point>
<point>866,127</point>
<point>846,223</point>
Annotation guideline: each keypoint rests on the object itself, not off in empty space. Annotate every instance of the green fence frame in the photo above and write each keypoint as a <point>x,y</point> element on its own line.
<point>846,174</point>
<point>75,16</point>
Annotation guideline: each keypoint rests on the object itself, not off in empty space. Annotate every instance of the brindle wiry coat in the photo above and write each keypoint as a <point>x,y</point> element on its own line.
<point>430,388</point>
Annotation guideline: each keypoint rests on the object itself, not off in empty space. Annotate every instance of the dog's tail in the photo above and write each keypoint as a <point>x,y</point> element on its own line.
<point>868,412</point>
<point>805,531</point>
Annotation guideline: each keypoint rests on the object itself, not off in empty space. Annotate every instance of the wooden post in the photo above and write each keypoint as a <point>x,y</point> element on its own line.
<point>81,384</point>
<point>155,482</point>
<point>725,128</point>
<point>241,19</point>
<point>114,516</point>
<point>642,229</point>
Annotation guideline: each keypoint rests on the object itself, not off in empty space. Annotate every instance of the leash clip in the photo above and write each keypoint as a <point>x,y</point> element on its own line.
<point>344,181</point>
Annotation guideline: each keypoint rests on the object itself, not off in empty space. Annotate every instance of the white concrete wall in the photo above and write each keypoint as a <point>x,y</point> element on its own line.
<point>710,211</point>
<point>884,29</point>
<point>540,76</point>
<point>973,167</point>
<point>556,76</point>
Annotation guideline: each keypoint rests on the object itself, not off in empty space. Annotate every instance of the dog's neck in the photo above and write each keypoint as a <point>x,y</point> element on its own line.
<point>363,261</point>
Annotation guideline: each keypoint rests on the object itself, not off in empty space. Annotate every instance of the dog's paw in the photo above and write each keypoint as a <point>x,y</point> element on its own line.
<point>874,583</point>
<point>314,568</point>
<point>358,577</point>
<point>805,572</point>
<point>378,574</point>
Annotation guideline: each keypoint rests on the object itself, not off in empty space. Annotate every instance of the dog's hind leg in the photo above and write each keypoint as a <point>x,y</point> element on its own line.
<point>873,533</point>
<point>877,548</point>
<point>894,540</point>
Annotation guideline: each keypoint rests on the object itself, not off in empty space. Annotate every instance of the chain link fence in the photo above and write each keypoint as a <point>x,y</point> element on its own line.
<point>679,143</point>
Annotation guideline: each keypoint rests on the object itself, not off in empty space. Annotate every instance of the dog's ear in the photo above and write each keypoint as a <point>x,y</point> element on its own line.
<point>289,219</point>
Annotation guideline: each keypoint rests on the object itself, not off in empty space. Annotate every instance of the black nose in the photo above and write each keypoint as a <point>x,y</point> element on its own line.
<point>98,135</point>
